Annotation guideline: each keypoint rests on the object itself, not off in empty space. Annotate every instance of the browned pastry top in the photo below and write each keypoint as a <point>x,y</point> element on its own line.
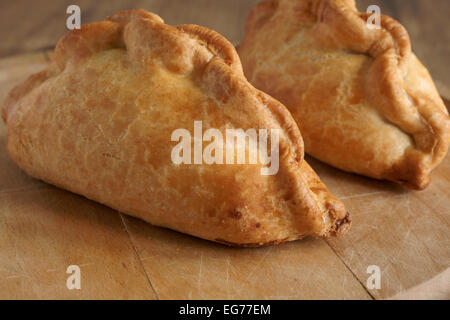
<point>299,50</point>
<point>98,122</point>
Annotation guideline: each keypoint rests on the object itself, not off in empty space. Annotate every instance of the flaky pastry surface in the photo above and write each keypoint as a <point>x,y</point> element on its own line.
<point>98,122</point>
<point>363,101</point>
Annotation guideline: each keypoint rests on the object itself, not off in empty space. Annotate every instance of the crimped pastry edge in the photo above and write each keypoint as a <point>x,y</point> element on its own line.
<point>390,48</point>
<point>70,51</point>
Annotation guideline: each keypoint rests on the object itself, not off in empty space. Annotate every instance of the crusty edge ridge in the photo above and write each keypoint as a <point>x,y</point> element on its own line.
<point>390,48</point>
<point>77,45</point>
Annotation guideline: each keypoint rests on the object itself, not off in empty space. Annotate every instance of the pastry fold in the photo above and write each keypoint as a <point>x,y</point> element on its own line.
<point>363,101</point>
<point>99,120</point>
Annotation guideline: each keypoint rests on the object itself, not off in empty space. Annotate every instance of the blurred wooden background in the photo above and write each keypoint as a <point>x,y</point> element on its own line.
<point>28,26</point>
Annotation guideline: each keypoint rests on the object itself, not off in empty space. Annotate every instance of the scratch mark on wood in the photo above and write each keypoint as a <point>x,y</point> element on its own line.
<point>258,264</point>
<point>227,279</point>
<point>361,195</point>
<point>18,276</point>
<point>200,272</point>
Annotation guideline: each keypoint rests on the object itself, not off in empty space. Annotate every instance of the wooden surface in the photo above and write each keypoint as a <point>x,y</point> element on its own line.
<point>43,230</point>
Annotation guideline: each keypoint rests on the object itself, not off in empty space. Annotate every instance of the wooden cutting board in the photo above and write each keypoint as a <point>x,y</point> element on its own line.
<point>43,230</point>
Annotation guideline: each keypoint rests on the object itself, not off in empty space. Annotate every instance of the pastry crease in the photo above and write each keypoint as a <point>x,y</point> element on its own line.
<point>337,76</point>
<point>98,122</point>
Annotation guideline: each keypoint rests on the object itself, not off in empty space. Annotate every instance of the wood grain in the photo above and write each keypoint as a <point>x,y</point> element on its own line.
<point>405,233</point>
<point>44,229</point>
<point>182,267</point>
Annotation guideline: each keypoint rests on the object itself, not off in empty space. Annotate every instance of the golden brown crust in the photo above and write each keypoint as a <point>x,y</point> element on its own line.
<point>98,122</point>
<point>218,44</point>
<point>320,60</point>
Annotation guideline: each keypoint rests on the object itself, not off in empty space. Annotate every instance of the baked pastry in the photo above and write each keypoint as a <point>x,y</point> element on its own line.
<point>99,121</point>
<point>363,101</point>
